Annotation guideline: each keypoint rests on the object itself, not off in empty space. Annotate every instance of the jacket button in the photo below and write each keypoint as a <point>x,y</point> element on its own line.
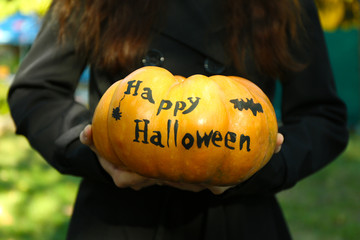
<point>213,67</point>
<point>153,58</point>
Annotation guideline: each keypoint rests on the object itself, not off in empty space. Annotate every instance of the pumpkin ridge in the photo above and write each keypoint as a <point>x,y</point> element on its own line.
<point>259,162</point>
<point>176,84</point>
<point>221,165</point>
<point>119,163</point>
<point>266,157</point>
<point>247,86</point>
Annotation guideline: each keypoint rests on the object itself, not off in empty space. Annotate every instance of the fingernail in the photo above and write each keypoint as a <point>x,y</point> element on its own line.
<point>83,137</point>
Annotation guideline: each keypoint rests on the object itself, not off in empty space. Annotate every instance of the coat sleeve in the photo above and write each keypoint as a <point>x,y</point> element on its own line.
<point>314,122</point>
<point>41,100</point>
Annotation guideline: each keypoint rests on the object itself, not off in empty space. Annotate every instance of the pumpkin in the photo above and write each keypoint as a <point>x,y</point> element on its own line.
<point>216,130</point>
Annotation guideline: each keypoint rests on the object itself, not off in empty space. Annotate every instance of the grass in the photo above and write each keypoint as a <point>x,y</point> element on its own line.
<point>326,205</point>
<point>36,201</point>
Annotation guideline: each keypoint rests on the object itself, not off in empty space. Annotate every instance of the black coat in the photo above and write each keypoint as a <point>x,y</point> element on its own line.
<point>313,123</point>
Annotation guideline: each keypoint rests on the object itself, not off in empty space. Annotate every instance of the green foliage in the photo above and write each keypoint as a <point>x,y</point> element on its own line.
<point>35,200</point>
<point>9,56</point>
<point>335,14</point>
<point>4,108</point>
<point>9,7</point>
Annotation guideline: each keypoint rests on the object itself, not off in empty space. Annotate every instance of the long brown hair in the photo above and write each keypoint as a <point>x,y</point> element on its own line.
<point>116,33</point>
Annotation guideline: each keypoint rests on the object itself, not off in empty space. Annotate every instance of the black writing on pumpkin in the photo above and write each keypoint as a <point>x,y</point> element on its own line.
<point>214,137</point>
<point>135,84</point>
<point>178,106</point>
<point>249,104</point>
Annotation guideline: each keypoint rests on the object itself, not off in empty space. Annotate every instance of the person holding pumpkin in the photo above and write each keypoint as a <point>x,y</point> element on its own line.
<point>263,41</point>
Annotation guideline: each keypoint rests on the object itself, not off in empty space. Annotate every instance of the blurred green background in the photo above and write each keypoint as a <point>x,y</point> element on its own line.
<point>36,201</point>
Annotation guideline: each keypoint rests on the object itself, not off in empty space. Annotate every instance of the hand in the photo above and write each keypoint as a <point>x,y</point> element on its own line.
<point>121,177</point>
<point>216,190</point>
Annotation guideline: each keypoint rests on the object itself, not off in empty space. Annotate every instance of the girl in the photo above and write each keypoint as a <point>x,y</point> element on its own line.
<point>260,40</point>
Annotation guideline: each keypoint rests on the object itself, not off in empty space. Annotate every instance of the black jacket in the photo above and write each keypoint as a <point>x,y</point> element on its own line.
<point>313,120</point>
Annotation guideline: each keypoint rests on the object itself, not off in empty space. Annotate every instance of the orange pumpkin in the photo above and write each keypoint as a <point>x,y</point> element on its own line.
<point>215,130</point>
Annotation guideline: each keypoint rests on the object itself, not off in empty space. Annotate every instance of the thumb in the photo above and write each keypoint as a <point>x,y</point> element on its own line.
<point>86,136</point>
<point>279,142</point>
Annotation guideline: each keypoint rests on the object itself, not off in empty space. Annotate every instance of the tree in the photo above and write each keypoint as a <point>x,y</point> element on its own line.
<point>9,7</point>
<point>336,14</point>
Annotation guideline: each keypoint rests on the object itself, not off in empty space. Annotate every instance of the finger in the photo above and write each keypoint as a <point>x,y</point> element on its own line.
<point>218,190</point>
<point>185,186</point>
<point>149,182</point>
<point>107,166</point>
<point>119,176</point>
<point>279,142</point>
<point>124,179</point>
<point>279,139</point>
<point>86,136</point>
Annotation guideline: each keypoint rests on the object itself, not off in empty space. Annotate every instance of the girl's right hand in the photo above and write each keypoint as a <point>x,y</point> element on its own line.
<point>121,177</point>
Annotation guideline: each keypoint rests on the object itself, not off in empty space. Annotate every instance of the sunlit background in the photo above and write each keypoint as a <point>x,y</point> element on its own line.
<point>36,201</point>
